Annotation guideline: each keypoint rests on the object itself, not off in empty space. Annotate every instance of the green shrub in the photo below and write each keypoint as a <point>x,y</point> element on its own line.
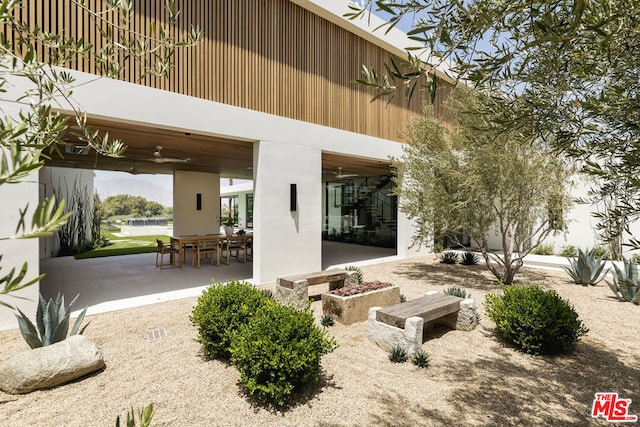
<point>601,252</point>
<point>398,354</point>
<point>359,274</point>
<point>403,298</point>
<point>221,310</point>
<point>469,258</point>
<point>278,352</point>
<point>457,292</point>
<point>543,249</point>
<point>52,318</point>
<point>625,281</point>
<point>569,251</point>
<point>535,321</point>
<point>420,358</point>
<point>438,247</point>
<point>327,320</point>
<point>449,258</point>
<point>586,269</point>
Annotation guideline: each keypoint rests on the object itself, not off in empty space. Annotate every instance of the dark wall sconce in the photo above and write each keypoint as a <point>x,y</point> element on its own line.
<point>293,199</point>
<point>198,202</point>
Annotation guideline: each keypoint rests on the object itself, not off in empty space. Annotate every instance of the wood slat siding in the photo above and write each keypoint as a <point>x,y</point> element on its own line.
<point>266,55</point>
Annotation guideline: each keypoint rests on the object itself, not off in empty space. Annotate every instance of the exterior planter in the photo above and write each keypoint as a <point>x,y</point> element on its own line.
<point>355,308</point>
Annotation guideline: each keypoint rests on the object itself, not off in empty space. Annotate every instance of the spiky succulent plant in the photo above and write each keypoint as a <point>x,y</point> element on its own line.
<point>398,354</point>
<point>359,274</point>
<point>52,318</point>
<point>449,258</point>
<point>457,292</point>
<point>469,258</point>
<point>586,268</point>
<point>625,281</point>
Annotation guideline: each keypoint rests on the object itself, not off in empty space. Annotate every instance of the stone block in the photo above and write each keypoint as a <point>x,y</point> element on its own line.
<point>50,366</point>
<point>355,308</point>
<point>467,316</point>
<point>387,336</point>
<point>296,296</point>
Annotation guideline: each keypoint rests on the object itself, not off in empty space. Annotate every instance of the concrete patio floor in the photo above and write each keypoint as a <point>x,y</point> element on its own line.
<point>114,283</point>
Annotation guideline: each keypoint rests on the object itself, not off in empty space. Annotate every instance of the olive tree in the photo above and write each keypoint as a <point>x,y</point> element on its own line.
<point>566,68</point>
<point>470,176</point>
<point>35,85</point>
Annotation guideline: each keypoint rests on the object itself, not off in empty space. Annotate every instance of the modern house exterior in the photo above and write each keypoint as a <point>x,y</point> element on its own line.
<point>268,96</point>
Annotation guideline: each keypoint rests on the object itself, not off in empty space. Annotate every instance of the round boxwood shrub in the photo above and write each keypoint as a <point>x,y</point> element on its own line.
<point>221,310</point>
<point>278,352</point>
<point>535,321</point>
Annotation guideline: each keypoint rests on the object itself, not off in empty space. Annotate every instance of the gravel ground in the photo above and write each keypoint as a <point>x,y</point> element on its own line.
<point>474,379</point>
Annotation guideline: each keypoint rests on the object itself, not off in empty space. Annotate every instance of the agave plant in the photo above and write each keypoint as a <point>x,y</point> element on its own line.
<point>457,292</point>
<point>449,258</point>
<point>469,258</point>
<point>359,275</point>
<point>625,281</point>
<point>52,318</point>
<point>586,269</point>
<point>398,354</point>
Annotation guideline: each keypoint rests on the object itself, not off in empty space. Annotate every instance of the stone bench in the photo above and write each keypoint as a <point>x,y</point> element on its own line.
<point>294,290</point>
<point>403,324</point>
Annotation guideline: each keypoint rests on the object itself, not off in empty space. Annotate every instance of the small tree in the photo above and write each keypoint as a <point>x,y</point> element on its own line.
<point>473,177</point>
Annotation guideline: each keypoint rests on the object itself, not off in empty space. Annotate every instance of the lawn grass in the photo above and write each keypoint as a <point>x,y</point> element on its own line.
<point>126,245</point>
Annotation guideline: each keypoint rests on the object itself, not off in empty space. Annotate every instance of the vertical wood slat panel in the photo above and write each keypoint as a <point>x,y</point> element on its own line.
<point>271,56</point>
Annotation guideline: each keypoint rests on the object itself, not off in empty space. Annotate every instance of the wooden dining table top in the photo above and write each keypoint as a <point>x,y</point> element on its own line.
<point>180,241</point>
<point>200,237</point>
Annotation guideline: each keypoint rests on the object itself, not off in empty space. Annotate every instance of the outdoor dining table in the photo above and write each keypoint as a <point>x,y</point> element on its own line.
<point>180,242</point>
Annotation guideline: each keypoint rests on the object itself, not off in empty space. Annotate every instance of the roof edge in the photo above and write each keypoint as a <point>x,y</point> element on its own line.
<point>395,41</point>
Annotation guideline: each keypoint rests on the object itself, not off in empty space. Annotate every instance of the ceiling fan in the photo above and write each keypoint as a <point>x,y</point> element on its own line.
<point>341,175</point>
<point>157,157</point>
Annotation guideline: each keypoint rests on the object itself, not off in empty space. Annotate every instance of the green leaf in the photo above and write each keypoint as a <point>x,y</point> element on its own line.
<point>28,331</point>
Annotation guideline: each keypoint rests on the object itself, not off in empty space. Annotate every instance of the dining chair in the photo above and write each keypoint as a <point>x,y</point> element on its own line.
<point>234,244</point>
<point>206,248</point>
<point>164,249</point>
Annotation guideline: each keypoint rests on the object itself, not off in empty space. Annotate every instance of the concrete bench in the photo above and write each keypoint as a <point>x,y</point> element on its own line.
<point>294,290</point>
<point>403,324</point>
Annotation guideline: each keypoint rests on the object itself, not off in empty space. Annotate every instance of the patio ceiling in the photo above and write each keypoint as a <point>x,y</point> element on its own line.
<point>193,152</point>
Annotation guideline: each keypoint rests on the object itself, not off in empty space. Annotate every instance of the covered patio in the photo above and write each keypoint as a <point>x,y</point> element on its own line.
<point>118,282</point>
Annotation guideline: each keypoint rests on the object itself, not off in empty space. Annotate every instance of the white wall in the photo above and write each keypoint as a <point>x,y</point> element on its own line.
<point>286,242</point>
<point>63,181</point>
<point>581,225</point>
<point>16,252</point>
<point>186,218</point>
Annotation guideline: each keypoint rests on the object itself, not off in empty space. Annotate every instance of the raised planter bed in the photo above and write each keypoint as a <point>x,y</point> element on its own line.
<point>352,303</point>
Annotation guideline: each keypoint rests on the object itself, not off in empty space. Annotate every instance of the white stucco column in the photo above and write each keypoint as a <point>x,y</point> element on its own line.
<point>286,242</point>
<point>16,252</point>
<point>406,230</point>
<point>187,218</point>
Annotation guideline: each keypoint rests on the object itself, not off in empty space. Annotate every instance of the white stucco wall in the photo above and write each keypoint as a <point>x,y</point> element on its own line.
<point>286,242</point>
<point>63,181</point>
<point>581,225</point>
<point>186,218</point>
<point>16,252</point>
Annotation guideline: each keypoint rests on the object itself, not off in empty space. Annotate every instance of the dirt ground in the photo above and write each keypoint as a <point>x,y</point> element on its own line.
<point>474,379</point>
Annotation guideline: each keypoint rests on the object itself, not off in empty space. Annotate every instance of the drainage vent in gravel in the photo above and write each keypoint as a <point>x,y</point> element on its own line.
<point>156,334</point>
